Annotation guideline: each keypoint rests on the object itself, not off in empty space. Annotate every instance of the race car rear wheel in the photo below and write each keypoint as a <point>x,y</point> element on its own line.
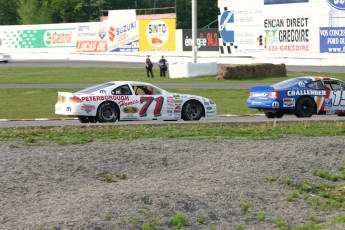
<point>305,107</point>
<point>192,111</point>
<point>87,119</point>
<point>107,112</point>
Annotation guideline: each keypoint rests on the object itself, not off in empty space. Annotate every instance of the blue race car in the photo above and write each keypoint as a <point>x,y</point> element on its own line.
<point>302,96</point>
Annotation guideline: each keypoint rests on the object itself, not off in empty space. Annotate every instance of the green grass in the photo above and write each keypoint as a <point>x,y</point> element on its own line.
<point>92,75</point>
<point>196,131</point>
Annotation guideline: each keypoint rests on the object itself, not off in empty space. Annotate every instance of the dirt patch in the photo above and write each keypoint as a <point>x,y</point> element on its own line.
<point>48,185</point>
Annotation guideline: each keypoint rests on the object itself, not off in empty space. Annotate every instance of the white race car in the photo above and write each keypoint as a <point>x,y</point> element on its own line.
<point>5,57</point>
<point>130,100</point>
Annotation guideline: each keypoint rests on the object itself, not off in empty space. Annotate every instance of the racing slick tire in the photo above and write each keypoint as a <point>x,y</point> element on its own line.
<point>107,112</point>
<point>305,107</point>
<point>191,111</point>
<point>87,119</point>
<point>277,114</point>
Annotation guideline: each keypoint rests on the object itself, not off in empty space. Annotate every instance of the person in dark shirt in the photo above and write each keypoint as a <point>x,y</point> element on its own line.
<point>163,66</point>
<point>148,66</point>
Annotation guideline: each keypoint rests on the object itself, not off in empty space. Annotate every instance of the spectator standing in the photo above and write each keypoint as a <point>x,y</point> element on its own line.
<point>148,66</point>
<point>163,66</point>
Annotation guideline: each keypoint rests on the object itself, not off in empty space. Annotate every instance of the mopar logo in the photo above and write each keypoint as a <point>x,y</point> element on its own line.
<point>275,104</point>
<point>68,109</point>
<point>337,4</point>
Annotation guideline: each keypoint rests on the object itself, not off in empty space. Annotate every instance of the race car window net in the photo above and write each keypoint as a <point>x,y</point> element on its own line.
<point>95,88</point>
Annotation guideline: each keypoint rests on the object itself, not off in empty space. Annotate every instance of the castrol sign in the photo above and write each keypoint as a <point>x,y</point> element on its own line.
<point>58,38</point>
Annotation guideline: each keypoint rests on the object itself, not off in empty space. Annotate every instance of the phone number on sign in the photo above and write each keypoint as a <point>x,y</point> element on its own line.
<point>288,48</point>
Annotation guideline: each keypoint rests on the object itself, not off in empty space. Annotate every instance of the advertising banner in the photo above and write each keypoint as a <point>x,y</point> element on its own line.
<point>261,27</point>
<point>332,37</point>
<point>36,37</point>
<point>123,31</point>
<point>332,40</point>
<point>157,35</point>
<point>207,40</point>
<point>92,37</point>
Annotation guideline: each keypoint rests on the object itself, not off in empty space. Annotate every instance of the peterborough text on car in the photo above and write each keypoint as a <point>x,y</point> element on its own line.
<point>302,96</point>
<point>129,100</point>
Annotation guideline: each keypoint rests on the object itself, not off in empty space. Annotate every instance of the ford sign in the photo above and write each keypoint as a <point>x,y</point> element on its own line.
<point>337,4</point>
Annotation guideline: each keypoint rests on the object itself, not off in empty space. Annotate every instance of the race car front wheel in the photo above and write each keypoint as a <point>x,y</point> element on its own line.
<point>192,110</point>
<point>305,107</point>
<point>107,112</point>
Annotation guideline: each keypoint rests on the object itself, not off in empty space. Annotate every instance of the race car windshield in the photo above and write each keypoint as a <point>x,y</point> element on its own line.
<point>96,88</point>
<point>288,83</point>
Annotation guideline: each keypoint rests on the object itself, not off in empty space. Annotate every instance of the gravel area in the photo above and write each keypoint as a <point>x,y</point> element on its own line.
<point>46,185</point>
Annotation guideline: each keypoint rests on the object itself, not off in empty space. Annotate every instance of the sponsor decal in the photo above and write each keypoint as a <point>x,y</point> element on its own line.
<point>102,30</point>
<point>275,104</point>
<point>88,108</point>
<point>126,28</point>
<point>91,46</point>
<point>102,91</point>
<point>256,102</point>
<point>328,103</point>
<point>68,109</point>
<point>130,109</point>
<point>157,33</point>
<point>292,93</point>
<point>104,98</point>
<point>177,111</point>
<point>226,26</point>
<point>263,95</point>
<point>209,108</point>
<point>111,33</point>
<point>288,102</point>
<point>301,84</point>
<point>207,40</point>
<point>127,103</point>
<point>332,39</point>
<point>179,107</point>
<point>57,37</point>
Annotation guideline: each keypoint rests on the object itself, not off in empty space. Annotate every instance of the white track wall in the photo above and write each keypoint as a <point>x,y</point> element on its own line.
<point>305,32</point>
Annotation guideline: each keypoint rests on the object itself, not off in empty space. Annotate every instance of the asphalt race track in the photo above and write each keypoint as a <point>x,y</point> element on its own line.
<point>43,122</point>
<point>222,119</point>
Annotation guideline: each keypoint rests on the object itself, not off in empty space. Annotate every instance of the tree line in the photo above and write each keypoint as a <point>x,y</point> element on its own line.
<point>26,12</point>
